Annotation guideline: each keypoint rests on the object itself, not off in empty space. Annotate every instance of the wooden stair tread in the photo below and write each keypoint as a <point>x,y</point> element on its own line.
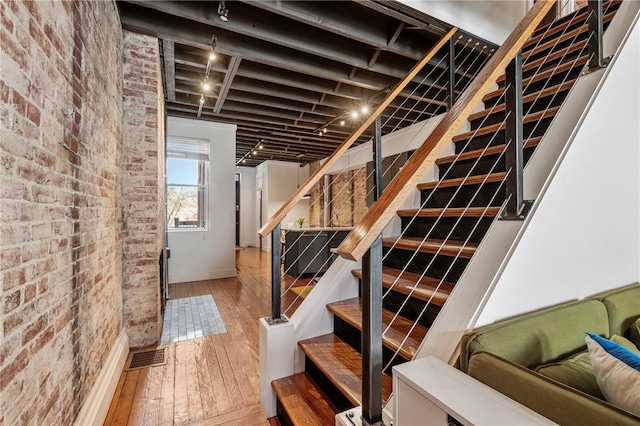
<point>581,61</point>
<point>350,310</point>
<point>427,288</point>
<point>539,115</point>
<point>303,401</point>
<point>471,180</point>
<point>562,87</point>
<point>565,37</point>
<point>341,364</point>
<point>450,212</point>
<point>492,150</point>
<point>528,66</point>
<point>448,248</point>
<point>580,17</point>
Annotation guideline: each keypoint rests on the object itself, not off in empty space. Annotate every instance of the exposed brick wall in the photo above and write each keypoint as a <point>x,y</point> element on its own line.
<point>142,190</point>
<point>348,197</point>
<point>60,204</point>
<point>316,207</point>
<point>359,194</point>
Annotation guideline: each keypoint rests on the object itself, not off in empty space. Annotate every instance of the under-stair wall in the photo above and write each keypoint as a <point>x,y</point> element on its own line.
<point>590,106</point>
<point>584,235</point>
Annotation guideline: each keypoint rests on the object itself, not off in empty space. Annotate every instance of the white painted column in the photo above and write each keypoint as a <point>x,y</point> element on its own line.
<point>277,349</point>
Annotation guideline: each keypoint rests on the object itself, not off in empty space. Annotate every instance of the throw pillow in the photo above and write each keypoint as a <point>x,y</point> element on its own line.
<point>617,371</point>
<point>634,333</point>
<point>624,342</point>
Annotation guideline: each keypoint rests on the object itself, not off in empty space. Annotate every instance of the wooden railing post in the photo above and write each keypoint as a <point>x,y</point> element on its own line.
<point>513,137</point>
<point>276,278</point>
<point>596,59</point>
<point>372,307</point>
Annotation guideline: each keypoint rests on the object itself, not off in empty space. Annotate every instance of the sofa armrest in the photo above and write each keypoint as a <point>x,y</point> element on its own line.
<point>553,400</point>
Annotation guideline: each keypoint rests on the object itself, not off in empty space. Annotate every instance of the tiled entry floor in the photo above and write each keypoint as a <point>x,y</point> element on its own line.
<point>191,317</point>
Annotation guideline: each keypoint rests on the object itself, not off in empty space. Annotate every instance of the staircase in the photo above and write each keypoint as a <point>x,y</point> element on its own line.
<point>455,213</point>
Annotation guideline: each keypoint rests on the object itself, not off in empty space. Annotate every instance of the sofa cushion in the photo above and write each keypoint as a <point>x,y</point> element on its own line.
<point>577,371</point>
<point>617,371</point>
<point>623,307</point>
<point>555,401</point>
<point>634,334</point>
<point>541,337</point>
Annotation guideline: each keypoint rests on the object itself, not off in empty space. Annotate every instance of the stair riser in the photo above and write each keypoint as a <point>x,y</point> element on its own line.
<point>584,35</point>
<point>530,130</point>
<point>474,166</point>
<point>536,105</point>
<point>412,309</point>
<point>537,86</point>
<point>399,258</point>
<point>468,195</point>
<point>353,337</point>
<point>329,389</point>
<point>283,416</point>
<point>446,226</point>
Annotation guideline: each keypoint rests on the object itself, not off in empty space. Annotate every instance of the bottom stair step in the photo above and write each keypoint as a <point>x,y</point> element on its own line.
<point>341,364</point>
<point>303,402</point>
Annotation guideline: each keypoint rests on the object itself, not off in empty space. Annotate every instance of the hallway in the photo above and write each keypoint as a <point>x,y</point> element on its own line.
<point>211,380</point>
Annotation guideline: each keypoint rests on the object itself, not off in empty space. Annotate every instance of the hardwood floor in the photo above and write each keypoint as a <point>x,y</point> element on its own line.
<point>211,380</point>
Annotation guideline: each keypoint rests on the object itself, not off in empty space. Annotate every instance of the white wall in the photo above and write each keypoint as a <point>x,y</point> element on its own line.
<point>208,254</point>
<point>490,20</point>
<point>278,180</point>
<point>248,214</point>
<point>584,235</point>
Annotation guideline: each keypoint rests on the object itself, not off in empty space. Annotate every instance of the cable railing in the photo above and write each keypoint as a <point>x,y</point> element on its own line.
<point>280,277</point>
<point>298,282</point>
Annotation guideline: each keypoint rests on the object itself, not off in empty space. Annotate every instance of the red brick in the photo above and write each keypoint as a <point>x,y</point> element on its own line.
<point>33,113</point>
<point>10,301</point>
<point>34,329</point>
<point>9,372</point>
<point>29,293</point>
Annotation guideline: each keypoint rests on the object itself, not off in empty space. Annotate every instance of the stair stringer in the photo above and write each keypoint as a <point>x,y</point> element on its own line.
<point>475,286</point>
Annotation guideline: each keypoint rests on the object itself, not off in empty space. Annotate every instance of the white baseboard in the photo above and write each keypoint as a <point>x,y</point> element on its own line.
<point>96,406</point>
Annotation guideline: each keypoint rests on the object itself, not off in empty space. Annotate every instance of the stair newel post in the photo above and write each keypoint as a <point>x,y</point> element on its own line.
<point>596,32</point>
<point>372,308</point>
<point>276,289</point>
<point>514,156</point>
<point>451,63</point>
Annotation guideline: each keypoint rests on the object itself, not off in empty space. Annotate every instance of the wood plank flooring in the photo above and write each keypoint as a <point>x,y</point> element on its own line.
<point>210,380</point>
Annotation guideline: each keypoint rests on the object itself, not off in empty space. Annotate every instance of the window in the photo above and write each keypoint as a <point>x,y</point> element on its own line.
<point>187,183</point>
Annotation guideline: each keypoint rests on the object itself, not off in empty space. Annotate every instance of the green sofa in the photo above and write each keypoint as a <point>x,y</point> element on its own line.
<point>540,359</point>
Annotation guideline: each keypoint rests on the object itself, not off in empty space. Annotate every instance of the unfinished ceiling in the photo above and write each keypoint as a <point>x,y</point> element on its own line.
<point>285,70</point>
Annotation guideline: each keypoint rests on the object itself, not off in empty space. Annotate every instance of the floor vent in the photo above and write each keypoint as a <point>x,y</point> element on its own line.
<point>146,358</point>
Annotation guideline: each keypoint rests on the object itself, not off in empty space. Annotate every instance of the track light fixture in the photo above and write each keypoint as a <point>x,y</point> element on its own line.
<point>223,12</point>
<point>205,85</point>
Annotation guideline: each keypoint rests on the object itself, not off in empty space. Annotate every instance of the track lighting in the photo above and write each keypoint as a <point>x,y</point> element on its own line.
<point>223,12</point>
<point>212,56</point>
<point>255,152</point>
<point>342,122</point>
<point>206,86</point>
<point>354,114</point>
<point>202,99</point>
<point>364,109</point>
<point>260,146</point>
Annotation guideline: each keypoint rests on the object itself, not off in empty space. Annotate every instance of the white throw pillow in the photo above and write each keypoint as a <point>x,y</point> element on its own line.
<point>617,372</point>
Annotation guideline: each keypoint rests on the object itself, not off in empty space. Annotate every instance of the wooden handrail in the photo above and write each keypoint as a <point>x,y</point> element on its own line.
<point>306,187</point>
<point>373,223</point>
